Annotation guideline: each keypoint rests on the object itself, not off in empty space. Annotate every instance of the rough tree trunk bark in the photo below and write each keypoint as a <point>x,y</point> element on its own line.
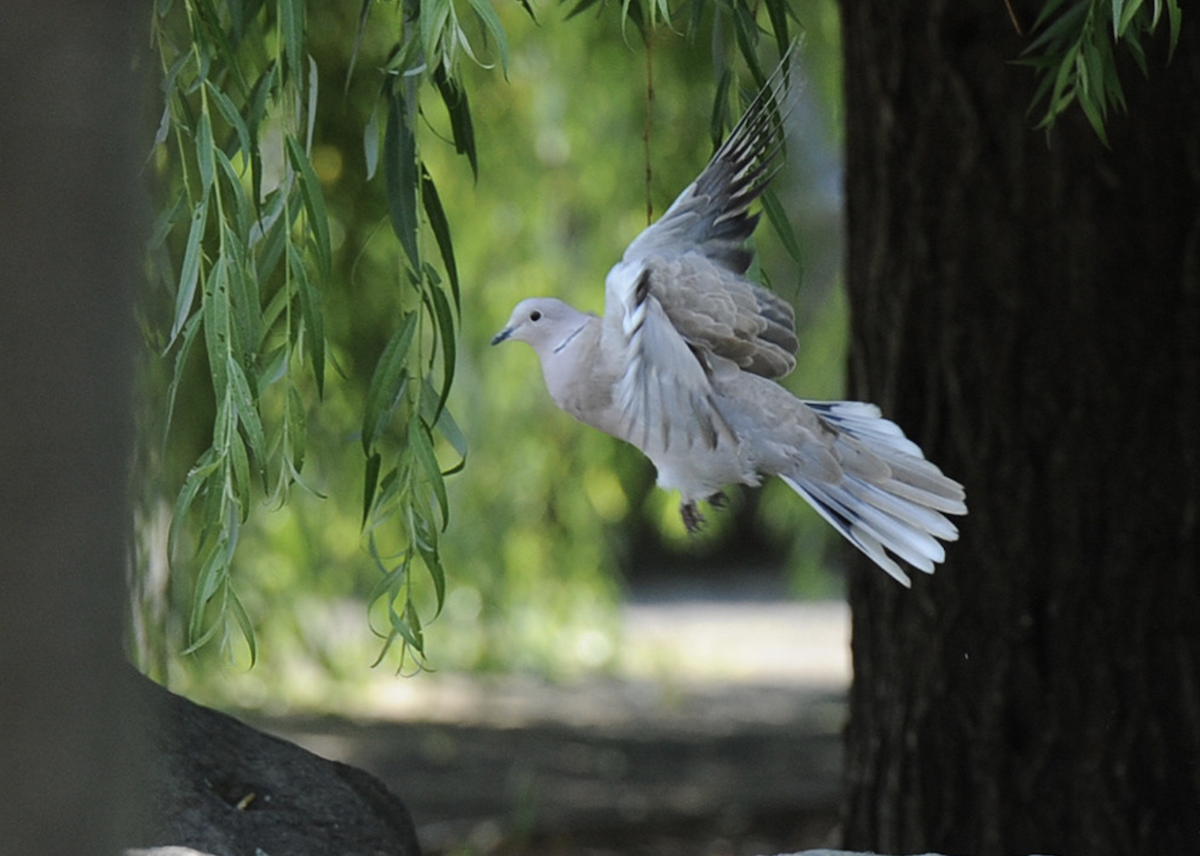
<point>68,237</point>
<point>1030,312</point>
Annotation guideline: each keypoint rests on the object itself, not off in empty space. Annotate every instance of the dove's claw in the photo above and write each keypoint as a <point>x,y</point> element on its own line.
<point>693,520</point>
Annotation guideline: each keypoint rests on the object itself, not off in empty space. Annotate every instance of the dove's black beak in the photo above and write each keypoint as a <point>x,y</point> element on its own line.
<point>502,335</point>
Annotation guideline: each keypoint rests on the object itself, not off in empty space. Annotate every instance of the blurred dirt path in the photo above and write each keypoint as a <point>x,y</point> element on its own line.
<point>716,732</point>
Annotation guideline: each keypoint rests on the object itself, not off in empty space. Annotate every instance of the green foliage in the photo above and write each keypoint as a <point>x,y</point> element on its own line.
<point>235,170</point>
<point>1074,53</point>
<point>317,321</point>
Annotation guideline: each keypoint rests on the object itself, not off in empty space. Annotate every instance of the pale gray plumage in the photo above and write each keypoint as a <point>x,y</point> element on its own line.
<point>681,366</point>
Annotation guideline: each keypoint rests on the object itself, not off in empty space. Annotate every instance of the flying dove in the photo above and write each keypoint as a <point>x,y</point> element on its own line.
<point>682,364</point>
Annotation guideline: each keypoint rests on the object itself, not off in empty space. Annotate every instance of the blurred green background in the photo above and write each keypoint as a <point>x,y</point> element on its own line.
<point>552,522</point>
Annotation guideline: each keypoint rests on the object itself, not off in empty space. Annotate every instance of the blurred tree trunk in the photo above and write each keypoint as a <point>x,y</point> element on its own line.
<point>68,234</point>
<point>1029,310</point>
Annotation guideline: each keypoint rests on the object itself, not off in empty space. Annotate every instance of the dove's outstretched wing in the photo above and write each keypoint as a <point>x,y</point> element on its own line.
<point>678,307</point>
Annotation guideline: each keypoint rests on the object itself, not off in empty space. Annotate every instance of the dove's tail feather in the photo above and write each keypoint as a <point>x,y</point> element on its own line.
<point>890,498</point>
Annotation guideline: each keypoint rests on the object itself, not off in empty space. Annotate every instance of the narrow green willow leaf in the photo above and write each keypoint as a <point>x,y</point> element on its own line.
<point>391,582</point>
<point>440,227</point>
<point>204,151</point>
<point>165,123</point>
<point>216,328</point>
<point>412,632</point>
<point>207,582</point>
<point>1095,116</point>
<point>256,112</point>
<point>170,82</point>
<point>405,59</point>
<point>1066,26</point>
<point>244,623</point>
<point>268,234</point>
<point>392,481</point>
<point>181,357</point>
<point>445,425</point>
<point>400,173</point>
<point>212,23</point>
<point>1048,10</point>
<point>230,114</point>
<point>246,407</point>
<point>1090,76</point>
<point>245,314</point>
<point>314,80</point>
<point>1175,20</point>
<point>1123,15</point>
<point>166,221</point>
<point>189,273</point>
<point>240,485</point>
<point>462,129</point>
<point>720,113</point>
<point>212,574</point>
<point>1063,92</point>
<point>291,28</point>
<point>275,310</point>
<point>314,204</point>
<point>399,629</point>
<point>311,315</point>
<point>777,13</point>
<point>430,24</point>
<point>1113,92</point>
<point>297,428</point>
<point>388,382</point>
<point>491,22</point>
<point>364,13</point>
<point>745,29</point>
<point>371,142</point>
<point>632,10</point>
<point>437,574</point>
<point>199,474</point>
<point>273,365</point>
<point>1134,46</point>
<point>695,25</point>
<point>233,528</point>
<point>782,226</point>
<point>420,440</point>
<point>444,319</point>
<point>387,646</point>
<point>581,6</point>
<point>370,483</point>
<point>243,210</point>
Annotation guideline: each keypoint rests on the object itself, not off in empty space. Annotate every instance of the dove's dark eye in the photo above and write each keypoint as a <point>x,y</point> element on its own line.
<point>535,315</point>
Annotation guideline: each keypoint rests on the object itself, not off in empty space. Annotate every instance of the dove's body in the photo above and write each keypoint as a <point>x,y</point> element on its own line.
<point>681,366</point>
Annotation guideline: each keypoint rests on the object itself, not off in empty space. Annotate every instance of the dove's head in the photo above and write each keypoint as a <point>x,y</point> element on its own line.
<point>543,322</point>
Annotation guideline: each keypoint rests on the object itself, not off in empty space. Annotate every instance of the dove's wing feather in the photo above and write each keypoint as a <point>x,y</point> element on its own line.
<point>677,306</point>
<point>695,255</point>
<point>663,390</point>
<point>711,217</point>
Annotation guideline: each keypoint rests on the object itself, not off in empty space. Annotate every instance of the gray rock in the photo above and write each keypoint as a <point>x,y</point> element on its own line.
<point>225,789</point>
<point>840,853</point>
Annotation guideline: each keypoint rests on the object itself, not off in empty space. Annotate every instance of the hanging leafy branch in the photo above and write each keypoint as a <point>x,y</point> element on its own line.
<point>243,253</point>
<point>242,247</point>
<point>1074,52</point>
<point>249,280</point>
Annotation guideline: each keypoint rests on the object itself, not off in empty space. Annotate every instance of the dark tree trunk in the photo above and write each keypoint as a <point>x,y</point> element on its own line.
<point>1030,312</point>
<point>68,238</point>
